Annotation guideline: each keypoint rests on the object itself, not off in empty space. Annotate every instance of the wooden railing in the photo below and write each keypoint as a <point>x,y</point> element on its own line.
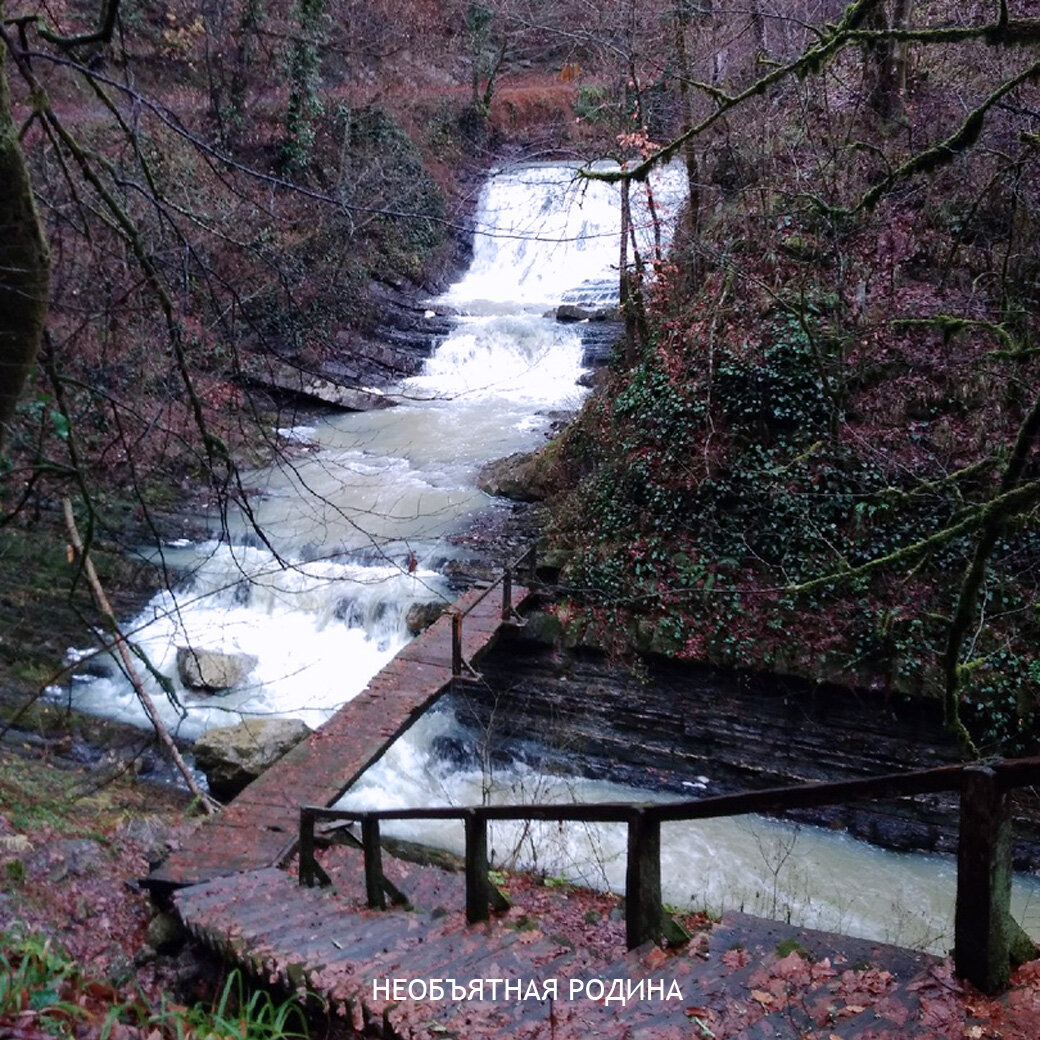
<point>983,926</point>
<point>525,562</point>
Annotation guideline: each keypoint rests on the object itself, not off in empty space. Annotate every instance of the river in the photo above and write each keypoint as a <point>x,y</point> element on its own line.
<point>356,529</point>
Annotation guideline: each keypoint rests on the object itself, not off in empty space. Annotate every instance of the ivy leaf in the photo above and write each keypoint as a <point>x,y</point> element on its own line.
<point>60,424</point>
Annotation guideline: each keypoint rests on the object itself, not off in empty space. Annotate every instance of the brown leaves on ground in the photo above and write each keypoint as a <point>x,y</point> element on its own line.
<point>71,850</point>
<point>933,1006</point>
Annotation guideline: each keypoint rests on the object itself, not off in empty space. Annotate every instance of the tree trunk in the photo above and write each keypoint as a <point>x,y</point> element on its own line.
<point>24,261</point>
<point>885,69</point>
<point>681,18</point>
<point>758,23</point>
<point>900,20</point>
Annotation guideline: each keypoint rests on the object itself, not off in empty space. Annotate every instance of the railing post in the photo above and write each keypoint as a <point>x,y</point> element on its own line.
<point>456,644</point>
<point>373,862</point>
<point>478,887</point>
<point>306,847</point>
<point>507,594</point>
<point>983,921</point>
<point>643,910</point>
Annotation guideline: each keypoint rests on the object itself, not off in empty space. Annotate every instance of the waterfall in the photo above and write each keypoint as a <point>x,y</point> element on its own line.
<point>546,236</point>
<point>360,525</point>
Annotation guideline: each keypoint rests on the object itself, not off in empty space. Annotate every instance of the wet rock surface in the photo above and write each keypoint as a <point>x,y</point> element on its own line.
<point>234,756</point>
<point>598,339</point>
<point>404,329</point>
<point>325,386</point>
<point>421,615</point>
<point>696,730</point>
<point>515,477</point>
<point>212,671</point>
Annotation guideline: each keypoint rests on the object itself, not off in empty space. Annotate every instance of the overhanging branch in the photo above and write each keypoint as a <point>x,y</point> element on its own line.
<point>103,33</point>
<point>849,32</point>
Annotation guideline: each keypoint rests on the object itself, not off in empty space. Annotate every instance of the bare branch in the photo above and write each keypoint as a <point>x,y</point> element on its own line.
<point>103,33</point>
<point>126,656</point>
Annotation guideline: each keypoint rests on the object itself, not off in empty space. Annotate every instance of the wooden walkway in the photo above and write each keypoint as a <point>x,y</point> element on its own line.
<point>259,828</point>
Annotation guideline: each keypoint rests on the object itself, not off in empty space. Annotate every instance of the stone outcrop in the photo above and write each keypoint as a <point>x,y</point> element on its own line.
<point>405,321</point>
<point>402,330</point>
<point>697,730</point>
<point>405,330</point>
<point>234,756</point>
<point>323,389</point>
<point>518,476</point>
<point>600,329</point>
<point>570,312</point>
<point>212,671</point>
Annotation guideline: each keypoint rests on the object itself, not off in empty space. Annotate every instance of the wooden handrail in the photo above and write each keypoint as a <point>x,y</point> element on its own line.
<point>528,557</point>
<point>507,612</point>
<point>1010,773</point>
<point>983,922</point>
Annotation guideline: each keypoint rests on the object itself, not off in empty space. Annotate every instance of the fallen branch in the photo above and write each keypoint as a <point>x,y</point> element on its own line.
<point>126,656</point>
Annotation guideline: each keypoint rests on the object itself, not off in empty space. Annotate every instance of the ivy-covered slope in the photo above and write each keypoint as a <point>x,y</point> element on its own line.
<point>825,394</point>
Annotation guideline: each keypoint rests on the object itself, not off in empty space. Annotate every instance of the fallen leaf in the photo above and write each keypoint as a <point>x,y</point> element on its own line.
<point>763,998</point>
<point>696,1009</point>
<point>822,970</point>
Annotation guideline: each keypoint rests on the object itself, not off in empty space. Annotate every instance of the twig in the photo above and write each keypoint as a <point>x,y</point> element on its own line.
<point>126,657</point>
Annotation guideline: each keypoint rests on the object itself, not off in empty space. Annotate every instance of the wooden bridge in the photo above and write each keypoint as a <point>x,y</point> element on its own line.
<point>439,963</point>
<point>270,885</point>
<point>259,827</point>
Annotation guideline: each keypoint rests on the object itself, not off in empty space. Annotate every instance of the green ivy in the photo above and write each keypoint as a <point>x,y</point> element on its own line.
<point>780,387</point>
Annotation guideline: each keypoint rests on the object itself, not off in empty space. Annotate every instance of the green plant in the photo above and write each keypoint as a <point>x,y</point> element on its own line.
<point>789,946</point>
<point>34,982</point>
<point>248,1015</point>
<point>303,65</point>
<point>45,992</point>
<point>591,104</point>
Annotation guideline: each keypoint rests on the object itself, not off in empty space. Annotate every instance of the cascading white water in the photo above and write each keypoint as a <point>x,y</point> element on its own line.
<point>324,611</point>
<point>320,601</point>
<point>813,877</point>
<point>545,236</point>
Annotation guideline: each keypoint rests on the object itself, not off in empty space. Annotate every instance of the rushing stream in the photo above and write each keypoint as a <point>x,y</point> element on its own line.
<point>358,526</point>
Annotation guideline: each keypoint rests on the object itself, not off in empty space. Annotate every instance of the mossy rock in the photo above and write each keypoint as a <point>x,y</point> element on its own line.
<point>542,627</point>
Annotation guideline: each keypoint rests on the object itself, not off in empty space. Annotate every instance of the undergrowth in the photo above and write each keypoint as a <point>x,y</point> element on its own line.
<point>44,993</point>
<point>787,468</point>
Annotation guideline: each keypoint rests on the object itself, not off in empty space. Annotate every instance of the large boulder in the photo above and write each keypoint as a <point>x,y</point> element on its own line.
<point>234,756</point>
<point>421,615</point>
<point>212,670</point>
<point>517,476</point>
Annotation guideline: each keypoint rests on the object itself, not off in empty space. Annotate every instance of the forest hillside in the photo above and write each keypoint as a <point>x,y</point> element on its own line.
<point>816,452</point>
<point>823,415</point>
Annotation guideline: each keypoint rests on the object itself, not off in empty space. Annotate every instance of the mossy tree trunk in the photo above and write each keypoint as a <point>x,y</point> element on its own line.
<point>885,72</point>
<point>24,260</point>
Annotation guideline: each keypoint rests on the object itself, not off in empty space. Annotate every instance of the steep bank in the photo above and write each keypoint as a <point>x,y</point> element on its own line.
<point>799,463</point>
<point>692,729</point>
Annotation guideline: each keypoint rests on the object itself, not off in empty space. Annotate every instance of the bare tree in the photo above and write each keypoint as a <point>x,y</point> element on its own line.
<point>873,39</point>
